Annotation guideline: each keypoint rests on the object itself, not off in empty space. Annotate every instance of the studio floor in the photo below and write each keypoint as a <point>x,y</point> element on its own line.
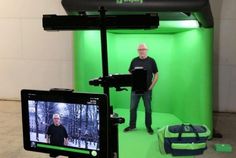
<point>137,144</point>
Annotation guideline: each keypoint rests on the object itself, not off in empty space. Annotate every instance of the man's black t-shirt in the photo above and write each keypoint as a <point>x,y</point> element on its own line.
<point>148,64</point>
<point>57,134</point>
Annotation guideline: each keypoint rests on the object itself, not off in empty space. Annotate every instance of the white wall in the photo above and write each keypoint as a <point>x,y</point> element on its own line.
<point>29,56</point>
<point>225,54</point>
<point>33,58</point>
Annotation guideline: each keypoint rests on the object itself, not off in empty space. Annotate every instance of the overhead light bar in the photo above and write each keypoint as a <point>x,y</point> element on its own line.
<point>75,22</point>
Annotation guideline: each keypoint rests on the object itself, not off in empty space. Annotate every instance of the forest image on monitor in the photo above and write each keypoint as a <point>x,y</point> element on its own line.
<point>64,124</point>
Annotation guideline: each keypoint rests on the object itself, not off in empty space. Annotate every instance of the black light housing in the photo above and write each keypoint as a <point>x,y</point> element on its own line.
<point>93,22</point>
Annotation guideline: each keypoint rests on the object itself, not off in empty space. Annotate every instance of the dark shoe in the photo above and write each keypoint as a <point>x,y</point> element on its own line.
<point>127,129</point>
<point>150,130</point>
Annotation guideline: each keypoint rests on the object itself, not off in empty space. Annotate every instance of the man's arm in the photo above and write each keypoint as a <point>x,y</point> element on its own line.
<point>48,138</point>
<point>65,137</point>
<point>65,141</point>
<point>131,67</point>
<point>154,81</point>
<point>48,135</point>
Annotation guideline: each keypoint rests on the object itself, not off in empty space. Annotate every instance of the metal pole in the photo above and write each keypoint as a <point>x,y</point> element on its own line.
<point>113,129</point>
<point>103,33</point>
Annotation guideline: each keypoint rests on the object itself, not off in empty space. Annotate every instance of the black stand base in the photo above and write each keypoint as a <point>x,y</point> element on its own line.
<point>217,134</point>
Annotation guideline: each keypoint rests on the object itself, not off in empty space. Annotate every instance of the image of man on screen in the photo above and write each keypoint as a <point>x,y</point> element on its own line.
<point>57,134</point>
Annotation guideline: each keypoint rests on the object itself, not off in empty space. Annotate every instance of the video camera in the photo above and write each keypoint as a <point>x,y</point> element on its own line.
<point>137,80</point>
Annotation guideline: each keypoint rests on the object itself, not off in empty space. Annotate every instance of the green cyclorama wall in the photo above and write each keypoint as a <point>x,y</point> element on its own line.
<point>184,61</point>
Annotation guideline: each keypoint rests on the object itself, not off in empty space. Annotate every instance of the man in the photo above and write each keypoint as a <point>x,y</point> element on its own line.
<point>56,134</point>
<point>148,64</point>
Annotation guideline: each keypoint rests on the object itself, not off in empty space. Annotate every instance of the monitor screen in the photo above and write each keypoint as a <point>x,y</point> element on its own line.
<point>64,123</point>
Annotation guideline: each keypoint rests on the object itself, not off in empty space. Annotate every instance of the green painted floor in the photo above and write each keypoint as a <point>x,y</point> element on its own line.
<point>138,143</point>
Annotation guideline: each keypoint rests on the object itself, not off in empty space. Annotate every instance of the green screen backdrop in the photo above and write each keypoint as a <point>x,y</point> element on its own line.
<point>184,60</point>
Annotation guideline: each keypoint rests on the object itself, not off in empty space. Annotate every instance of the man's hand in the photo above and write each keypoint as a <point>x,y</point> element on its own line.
<point>47,139</point>
<point>153,81</point>
<point>65,141</point>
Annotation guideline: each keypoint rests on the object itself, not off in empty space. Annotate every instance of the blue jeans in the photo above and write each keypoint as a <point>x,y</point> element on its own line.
<point>147,97</point>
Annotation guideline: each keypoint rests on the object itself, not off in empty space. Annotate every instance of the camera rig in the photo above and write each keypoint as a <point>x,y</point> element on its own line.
<point>137,80</point>
<point>103,22</point>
